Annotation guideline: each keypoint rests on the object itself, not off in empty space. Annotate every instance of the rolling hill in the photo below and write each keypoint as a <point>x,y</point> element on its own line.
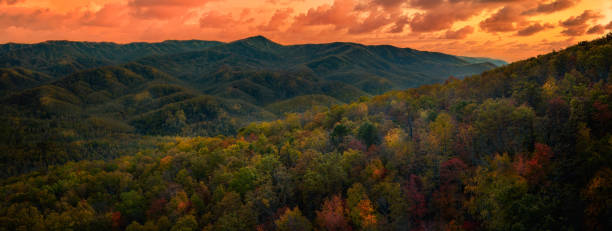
<point>255,70</point>
<point>84,92</point>
<point>526,146</point>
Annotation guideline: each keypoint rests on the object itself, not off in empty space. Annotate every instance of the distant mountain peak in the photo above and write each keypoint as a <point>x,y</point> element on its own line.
<point>258,38</point>
<point>258,41</point>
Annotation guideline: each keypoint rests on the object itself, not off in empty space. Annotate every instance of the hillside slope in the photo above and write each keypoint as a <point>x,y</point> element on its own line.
<point>527,146</point>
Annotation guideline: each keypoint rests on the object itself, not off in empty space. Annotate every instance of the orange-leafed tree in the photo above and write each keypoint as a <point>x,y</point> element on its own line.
<point>331,216</point>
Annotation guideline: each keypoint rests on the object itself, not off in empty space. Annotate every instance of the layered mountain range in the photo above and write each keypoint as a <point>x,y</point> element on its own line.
<point>140,84</point>
<point>62,100</point>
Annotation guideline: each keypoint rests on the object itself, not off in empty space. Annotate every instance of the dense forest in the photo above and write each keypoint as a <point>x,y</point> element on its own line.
<point>527,146</point>
<point>68,101</point>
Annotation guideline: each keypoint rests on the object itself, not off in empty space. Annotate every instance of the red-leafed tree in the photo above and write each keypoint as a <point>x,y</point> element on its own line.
<point>117,221</point>
<point>534,168</point>
<point>449,196</point>
<point>157,208</point>
<point>418,206</point>
<point>331,216</point>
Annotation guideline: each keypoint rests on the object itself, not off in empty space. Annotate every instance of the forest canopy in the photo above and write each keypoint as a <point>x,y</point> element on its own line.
<point>527,146</point>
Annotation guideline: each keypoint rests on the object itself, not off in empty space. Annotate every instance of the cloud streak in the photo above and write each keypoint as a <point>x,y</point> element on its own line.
<point>577,25</point>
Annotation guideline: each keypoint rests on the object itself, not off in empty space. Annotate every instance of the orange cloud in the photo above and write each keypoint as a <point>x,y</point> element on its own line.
<point>278,19</point>
<point>109,16</point>
<point>504,20</point>
<point>534,28</point>
<point>597,29</point>
<point>216,19</point>
<point>551,7</point>
<point>340,15</point>
<point>163,9</point>
<point>9,2</point>
<point>464,27</point>
<point>586,16</point>
<point>577,25</point>
<point>459,34</point>
<point>34,19</point>
<point>439,15</point>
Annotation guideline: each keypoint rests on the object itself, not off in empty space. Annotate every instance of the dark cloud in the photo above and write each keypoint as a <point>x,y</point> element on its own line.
<point>534,28</point>
<point>609,26</point>
<point>578,25</point>
<point>581,19</point>
<point>554,6</point>
<point>575,30</point>
<point>597,29</point>
<point>459,34</point>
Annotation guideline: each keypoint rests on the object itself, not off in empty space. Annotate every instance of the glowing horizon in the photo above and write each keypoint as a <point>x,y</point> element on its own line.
<point>505,29</point>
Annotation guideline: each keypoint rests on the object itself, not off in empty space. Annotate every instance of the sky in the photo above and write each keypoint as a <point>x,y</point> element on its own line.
<point>505,29</point>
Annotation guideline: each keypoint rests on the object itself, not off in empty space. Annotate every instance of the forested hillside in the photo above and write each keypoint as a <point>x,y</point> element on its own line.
<point>67,101</point>
<point>527,146</point>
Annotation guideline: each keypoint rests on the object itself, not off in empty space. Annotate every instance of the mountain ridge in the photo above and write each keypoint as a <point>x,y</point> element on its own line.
<point>525,146</point>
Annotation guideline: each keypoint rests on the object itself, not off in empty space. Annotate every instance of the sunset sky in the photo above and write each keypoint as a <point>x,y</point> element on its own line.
<point>506,29</point>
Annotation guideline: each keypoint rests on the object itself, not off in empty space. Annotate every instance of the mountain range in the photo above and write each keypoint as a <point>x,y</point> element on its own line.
<point>526,146</point>
<point>250,79</point>
<point>65,100</point>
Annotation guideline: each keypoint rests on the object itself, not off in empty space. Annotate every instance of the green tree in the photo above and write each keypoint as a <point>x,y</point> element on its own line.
<point>368,134</point>
<point>293,220</point>
<point>185,223</point>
